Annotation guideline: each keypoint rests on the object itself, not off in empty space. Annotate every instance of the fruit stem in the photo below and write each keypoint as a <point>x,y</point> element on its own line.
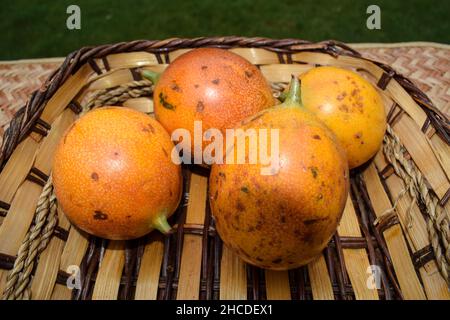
<point>151,75</point>
<point>292,98</point>
<point>160,223</point>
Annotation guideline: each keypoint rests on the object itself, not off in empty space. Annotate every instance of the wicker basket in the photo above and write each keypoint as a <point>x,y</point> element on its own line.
<point>392,243</point>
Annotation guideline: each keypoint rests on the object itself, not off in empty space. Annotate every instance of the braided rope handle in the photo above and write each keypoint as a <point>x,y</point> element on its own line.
<point>35,242</point>
<point>437,218</point>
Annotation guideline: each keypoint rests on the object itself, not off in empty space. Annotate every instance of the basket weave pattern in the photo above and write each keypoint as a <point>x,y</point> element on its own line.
<point>396,219</point>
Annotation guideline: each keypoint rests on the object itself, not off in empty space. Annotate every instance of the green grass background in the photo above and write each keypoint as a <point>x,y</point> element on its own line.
<point>32,28</point>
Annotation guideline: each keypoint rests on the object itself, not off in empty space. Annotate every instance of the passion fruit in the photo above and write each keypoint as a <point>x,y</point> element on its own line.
<point>113,174</point>
<point>214,86</point>
<point>350,106</point>
<point>285,219</point>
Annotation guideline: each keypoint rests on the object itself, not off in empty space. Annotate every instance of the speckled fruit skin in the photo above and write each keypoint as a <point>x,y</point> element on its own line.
<point>213,85</point>
<point>113,174</point>
<point>282,221</point>
<point>350,106</point>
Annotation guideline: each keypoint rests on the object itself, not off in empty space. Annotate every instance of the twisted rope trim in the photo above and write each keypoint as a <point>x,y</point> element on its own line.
<point>35,242</point>
<point>437,219</point>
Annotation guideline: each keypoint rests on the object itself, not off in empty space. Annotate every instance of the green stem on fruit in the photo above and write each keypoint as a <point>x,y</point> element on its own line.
<point>293,97</point>
<point>160,223</point>
<point>151,75</point>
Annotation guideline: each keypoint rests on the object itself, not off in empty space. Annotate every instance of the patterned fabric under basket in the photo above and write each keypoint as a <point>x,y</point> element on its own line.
<point>392,242</point>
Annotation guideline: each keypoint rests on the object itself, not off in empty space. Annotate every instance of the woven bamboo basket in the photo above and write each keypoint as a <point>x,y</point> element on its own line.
<point>392,242</point>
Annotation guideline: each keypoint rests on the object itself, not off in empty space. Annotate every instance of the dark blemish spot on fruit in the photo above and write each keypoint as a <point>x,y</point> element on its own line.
<point>149,128</point>
<point>196,86</point>
<point>175,87</point>
<point>341,96</point>
<point>204,67</point>
<point>343,107</point>
<point>240,206</point>
<point>347,77</point>
<point>335,82</point>
<point>221,174</point>
<point>149,125</point>
<point>307,237</point>
<point>245,190</point>
<point>248,74</point>
<point>362,142</point>
<point>165,152</point>
<point>165,104</point>
<point>98,215</point>
<point>317,137</point>
<point>277,261</point>
<point>216,81</point>
<point>355,92</point>
<point>94,176</point>
<point>170,192</point>
<point>259,259</point>
<point>283,219</point>
<point>251,229</point>
<point>313,221</point>
<point>116,154</point>
<point>216,194</point>
<point>319,197</point>
<point>260,222</point>
<point>314,171</point>
<point>200,106</point>
<point>129,216</point>
<point>358,135</point>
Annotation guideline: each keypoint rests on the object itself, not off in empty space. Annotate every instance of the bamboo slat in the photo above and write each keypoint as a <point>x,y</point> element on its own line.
<point>110,272</point>
<point>283,72</point>
<point>60,292</point>
<point>141,104</point>
<point>233,276</point>
<point>191,257</point>
<point>148,279</point>
<point>320,279</point>
<point>401,260</point>
<point>72,255</point>
<point>44,158</point>
<point>66,93</point>
<point>256,55</point>
<point>277,285</point>
<point>442,151</point>
<point>47,269</point>
<point>356,260</point>
<point>130,60</point>
<point>17,168</point>
<point>420,149</point>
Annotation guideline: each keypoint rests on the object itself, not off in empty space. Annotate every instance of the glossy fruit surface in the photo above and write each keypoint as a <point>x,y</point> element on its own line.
<point>285,219</point>
<point>350,106</point>
<point>113,174</point>
<point>215,86</point>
